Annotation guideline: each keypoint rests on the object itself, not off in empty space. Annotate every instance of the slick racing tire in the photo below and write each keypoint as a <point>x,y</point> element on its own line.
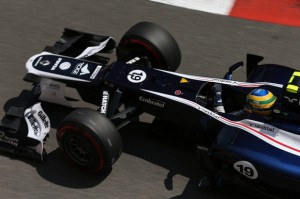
<point>90,140</point>
<point>154,42</point>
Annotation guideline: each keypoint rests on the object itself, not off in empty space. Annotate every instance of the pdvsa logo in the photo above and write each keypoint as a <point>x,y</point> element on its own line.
<point>83,69</point>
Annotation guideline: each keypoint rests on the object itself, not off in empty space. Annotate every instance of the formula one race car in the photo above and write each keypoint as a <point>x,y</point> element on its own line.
<point>253,151</point>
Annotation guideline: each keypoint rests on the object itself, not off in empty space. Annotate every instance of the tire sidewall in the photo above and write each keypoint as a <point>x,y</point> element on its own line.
<point>154,40</point>
<point>96,130</point>
<point>100,156</point>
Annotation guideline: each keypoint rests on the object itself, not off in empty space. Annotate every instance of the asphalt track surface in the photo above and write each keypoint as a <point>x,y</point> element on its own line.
<point>149,167</point>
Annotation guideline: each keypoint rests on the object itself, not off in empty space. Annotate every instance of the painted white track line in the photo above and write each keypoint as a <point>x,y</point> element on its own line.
<point>222,7</point>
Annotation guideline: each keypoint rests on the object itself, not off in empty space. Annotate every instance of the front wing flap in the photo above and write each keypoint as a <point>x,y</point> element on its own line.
<point>23,131</point>
<point>73,42</point>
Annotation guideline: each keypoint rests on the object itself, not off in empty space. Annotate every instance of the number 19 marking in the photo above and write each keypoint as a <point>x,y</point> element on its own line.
<point>136,76</point>
<point>246,169</point>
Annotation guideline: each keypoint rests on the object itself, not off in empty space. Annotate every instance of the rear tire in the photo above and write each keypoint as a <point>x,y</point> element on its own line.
<point>90,140</point>
<point>154,42</point>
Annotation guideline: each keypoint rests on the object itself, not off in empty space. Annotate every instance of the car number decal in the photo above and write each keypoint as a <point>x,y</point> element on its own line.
<point>272,135</point>
<point>136,76</point>
<point>246,169</point>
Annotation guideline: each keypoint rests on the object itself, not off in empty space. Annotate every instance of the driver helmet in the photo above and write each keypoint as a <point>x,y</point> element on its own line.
<point>260,101</point>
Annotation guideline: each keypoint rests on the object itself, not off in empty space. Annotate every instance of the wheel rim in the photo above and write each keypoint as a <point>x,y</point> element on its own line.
<point>79,149</point>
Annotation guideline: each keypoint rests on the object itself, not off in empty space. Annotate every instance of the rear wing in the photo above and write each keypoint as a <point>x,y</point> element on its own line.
<point>252,62</point>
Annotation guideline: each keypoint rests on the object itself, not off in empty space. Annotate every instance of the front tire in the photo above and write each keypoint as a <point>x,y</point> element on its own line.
<point>90,140</point>
<point>154,42</point>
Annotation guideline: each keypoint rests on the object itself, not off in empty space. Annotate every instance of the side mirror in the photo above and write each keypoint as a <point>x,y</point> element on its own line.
<point>233,68</point>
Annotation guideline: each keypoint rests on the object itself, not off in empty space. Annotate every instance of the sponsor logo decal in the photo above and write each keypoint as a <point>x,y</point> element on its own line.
<point>53,91</point>
<point>152,102</point>
<point>208,112</point>
<point>53,86</point>
<point>33,123</point>
<point>95,73</point>
<point>8,140</point>
<point>45,62</point>
<point>37,121</point>
<point>38,61</point>
<point>262,127</point>
<point>136,76</point>
<point>132,61</point>
<point>64,65</point>
<point>77,68</point>
<point>291,100</point>
<point>56,63</point>
<point>44,119</point>
<point>224,81</point>
<point>83,69</point>
<point>104,103</point>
